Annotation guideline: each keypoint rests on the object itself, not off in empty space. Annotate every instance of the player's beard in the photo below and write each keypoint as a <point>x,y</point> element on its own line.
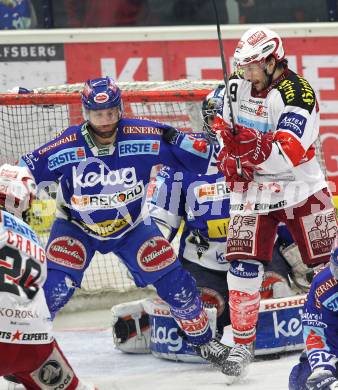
<point>103,134</point>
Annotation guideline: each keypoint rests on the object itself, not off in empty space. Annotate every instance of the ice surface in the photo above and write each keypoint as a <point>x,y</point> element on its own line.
<point>87,342</point>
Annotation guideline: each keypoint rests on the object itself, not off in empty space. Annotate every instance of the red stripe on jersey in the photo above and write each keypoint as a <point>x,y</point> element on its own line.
<point>291,146</point>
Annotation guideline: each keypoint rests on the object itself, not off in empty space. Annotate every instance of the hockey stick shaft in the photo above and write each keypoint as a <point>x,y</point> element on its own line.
<point>226,84</point>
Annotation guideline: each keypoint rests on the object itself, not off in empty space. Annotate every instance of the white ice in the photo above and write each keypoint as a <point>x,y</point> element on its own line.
<point>87,342</point>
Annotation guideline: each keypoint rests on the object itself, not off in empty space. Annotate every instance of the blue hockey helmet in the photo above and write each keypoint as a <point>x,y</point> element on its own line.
<point>334,258</point>
<point>100,94</point>
<point>212,106</point>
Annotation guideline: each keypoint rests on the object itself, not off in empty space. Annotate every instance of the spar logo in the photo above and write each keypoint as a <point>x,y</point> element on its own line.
<point>155,254</point>
<point>125,177</point>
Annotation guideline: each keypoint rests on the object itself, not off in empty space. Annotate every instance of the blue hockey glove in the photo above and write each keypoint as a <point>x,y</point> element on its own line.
<point>322,379</point>
<point>171,135</point>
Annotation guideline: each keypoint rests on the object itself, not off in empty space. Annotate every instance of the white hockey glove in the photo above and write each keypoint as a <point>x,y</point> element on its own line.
<point>301,274</point>
<point>322,379</point>
<point>131,330</point>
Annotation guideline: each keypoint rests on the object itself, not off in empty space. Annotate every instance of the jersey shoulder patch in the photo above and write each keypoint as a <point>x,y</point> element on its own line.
<point>296,91</point>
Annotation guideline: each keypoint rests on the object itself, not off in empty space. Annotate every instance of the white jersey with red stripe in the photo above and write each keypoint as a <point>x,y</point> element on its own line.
<point>24,315</point>
<point>292,172</point>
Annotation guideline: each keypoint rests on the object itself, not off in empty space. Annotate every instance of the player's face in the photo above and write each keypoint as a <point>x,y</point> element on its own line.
<point>104,122</point>
<point>256,74</point>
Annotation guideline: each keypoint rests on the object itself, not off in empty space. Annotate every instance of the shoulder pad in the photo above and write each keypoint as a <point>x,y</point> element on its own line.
<point>296,91</point>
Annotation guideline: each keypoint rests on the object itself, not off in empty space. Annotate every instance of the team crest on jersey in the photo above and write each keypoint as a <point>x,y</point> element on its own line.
<point>66,156</point>
<point>128,148</point>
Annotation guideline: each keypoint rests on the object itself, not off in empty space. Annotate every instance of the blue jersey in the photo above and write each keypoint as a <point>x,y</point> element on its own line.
<point>15,15</point>
<point>102,188</point>
<point>202,202</point>
<point>320,321</point>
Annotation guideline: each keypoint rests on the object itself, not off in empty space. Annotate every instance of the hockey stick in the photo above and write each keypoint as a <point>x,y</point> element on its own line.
<point>226,84</point>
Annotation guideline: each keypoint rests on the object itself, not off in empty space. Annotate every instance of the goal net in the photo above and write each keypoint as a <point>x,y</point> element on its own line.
<point>28,121</point>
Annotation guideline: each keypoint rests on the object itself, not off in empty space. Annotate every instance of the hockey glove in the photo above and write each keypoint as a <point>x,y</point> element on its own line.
<point>171,135</point>
<point>227,165</point>
<point>322,379</point>
<point>250,145</point>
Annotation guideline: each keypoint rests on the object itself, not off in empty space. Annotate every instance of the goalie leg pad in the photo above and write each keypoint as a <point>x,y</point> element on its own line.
<point>131,330</point>
<point>166,339</point>
<point>244,281</point>
<point>179,290</point>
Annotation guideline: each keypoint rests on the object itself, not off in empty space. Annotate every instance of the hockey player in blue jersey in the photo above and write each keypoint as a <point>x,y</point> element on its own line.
<point>103,167</point>
<point>318,367</point>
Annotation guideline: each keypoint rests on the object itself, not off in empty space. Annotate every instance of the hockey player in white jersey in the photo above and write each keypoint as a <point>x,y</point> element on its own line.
<point>277,123</point>
<point>28,352</point>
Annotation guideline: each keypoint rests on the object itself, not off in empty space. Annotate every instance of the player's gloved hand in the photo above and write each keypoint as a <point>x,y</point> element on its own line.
<point>171,135</point>
<point>250,145</point>
<point>322,379</point>
<point>227,165</point>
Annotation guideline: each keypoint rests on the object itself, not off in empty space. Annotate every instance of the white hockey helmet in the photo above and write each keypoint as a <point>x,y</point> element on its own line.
<point>256,45</point>
<point>17,189</point>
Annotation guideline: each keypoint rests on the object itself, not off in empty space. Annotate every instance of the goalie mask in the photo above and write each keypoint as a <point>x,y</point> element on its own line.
<point>334,259</point>
<point>17,189</point>
<point>211,107</point>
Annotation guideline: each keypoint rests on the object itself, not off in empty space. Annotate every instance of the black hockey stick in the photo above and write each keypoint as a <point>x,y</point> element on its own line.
<point>226,83</point>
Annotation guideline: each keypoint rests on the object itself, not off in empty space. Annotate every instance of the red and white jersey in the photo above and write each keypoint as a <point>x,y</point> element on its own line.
<point>24,315</point>
<point>292,173</point>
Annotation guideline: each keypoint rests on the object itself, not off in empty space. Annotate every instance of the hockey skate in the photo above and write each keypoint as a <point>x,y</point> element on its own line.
<point>214,352</point>
<point>236,365</point>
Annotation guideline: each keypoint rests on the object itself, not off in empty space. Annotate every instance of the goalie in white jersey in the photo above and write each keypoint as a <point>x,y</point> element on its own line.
<point>276,116</point>
<point>28,352</point>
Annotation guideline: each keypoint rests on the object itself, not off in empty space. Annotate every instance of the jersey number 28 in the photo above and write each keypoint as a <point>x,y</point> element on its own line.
<point>13,278</point>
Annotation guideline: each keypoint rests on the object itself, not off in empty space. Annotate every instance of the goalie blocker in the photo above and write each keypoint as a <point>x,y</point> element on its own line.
<point>146,326</point>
